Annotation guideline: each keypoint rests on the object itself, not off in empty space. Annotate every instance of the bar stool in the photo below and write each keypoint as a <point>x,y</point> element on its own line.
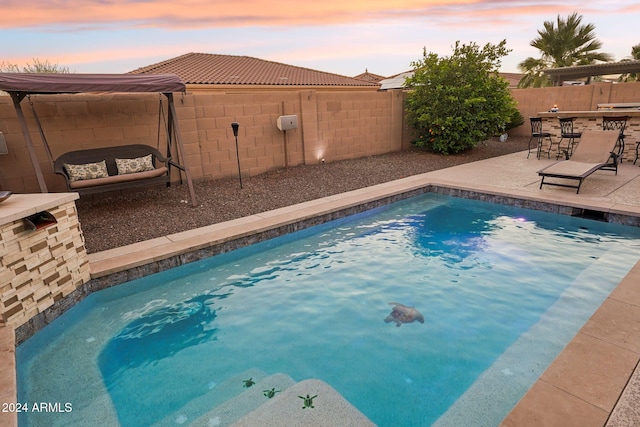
<point>537,132</point>
<point>613,123</point>
<point>567,131</point>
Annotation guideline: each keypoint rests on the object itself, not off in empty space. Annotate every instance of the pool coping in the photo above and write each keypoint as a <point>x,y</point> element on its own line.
<point>120,265</point>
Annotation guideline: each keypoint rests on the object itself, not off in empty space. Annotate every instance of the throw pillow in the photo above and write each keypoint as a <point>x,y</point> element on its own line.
<point>139,164</point>
<point>86,171</point>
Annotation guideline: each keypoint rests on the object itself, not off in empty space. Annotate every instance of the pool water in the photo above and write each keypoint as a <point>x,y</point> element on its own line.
<point>501,289</point>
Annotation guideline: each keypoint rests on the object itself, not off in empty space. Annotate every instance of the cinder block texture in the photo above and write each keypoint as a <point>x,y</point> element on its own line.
<point>331,125</point>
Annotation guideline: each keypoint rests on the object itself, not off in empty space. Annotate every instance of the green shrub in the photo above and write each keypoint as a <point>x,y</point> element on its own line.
<point>515,119</point>
<point>458,101</point>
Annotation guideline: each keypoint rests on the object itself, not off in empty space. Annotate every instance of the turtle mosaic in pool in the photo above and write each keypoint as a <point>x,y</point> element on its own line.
<point>487,295</point>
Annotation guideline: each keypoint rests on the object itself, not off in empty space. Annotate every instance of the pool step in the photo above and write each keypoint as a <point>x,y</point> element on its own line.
<point>327,409</point>
<point>231,404</point>
<point>249,399</point>
<point>217,395</point>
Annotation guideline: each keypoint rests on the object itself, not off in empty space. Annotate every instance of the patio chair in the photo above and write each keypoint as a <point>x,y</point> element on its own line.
<point>539,134</point>
<point>616,123</point>
<point>567,132</point>
<point>595,151</point>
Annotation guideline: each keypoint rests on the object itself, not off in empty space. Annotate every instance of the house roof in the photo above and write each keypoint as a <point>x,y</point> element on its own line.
<point>369,77</point>
<point>512,78</point>
<point>214,69</point>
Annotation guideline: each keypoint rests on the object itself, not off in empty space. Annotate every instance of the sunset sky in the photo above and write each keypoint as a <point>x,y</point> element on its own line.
<point>343,37</point>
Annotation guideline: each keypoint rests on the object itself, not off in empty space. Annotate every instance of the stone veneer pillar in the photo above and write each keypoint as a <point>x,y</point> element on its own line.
<point>39,267</point>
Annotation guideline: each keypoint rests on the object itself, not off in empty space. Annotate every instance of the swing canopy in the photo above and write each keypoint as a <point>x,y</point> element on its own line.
<point>41,83</point>
<point>20,85</point>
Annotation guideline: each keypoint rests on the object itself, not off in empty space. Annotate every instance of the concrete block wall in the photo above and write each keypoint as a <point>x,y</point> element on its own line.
<point>535,100</point>
<point>38,268</point>
<point>358,126</point>
<point>331,125</point>
<point>260,144</point>
<point>628,92</point>
<point>72,122</point>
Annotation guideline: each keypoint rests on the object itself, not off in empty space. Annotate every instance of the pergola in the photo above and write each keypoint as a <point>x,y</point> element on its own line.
<point>559,75</point>
<point>19,85</point>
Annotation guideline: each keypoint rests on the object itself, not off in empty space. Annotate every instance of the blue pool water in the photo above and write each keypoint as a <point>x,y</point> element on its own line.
<point>502,290</point>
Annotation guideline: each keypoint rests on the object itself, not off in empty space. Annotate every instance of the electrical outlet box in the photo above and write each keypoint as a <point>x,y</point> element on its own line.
<point>287,122</point>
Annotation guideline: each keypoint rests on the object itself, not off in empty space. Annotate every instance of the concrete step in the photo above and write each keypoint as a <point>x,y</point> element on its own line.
<point>251,398</point>
<point>218,394</point>
<point>330,409</point>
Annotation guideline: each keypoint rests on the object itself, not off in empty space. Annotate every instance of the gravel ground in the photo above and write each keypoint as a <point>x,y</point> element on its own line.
<point>116,219</point>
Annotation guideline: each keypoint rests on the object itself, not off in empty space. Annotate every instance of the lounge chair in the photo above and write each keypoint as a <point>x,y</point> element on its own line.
<point>595,151</point>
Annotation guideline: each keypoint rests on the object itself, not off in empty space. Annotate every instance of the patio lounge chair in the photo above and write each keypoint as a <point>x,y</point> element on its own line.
<point>594,152</point>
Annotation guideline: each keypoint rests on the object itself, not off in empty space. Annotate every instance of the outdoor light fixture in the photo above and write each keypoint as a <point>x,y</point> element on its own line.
<point>235,126</point>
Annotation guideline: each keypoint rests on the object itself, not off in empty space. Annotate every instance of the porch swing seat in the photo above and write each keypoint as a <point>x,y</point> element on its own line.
<point>115,179</point>
<point>21,85</point>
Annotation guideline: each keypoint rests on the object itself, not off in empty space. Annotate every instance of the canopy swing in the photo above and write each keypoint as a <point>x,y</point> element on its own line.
<point>21,85</point>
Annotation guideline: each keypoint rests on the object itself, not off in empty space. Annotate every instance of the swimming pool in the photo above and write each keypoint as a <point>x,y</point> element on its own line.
<point>501,290</point>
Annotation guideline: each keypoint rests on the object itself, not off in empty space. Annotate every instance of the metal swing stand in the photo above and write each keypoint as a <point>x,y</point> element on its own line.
<point>20,85</point>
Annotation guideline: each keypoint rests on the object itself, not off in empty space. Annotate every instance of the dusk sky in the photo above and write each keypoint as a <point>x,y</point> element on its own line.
<point>344,37</point>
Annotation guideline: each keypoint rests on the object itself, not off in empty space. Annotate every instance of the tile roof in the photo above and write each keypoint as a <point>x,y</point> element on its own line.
<point>369,77</point>
<point>206,68</point>
<point>512,78</point>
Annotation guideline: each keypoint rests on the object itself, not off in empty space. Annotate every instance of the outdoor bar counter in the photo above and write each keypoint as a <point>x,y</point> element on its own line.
<point>42,254</point>
<point>593,120</point>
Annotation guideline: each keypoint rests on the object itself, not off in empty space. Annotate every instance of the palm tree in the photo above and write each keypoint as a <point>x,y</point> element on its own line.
<point>635,56</point>
<point>563,43</point>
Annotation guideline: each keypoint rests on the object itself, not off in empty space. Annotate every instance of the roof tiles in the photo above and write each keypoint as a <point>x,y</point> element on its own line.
<point>206,68</point>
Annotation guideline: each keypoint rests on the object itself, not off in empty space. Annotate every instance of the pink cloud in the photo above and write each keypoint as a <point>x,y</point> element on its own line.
<point>350,31</point>
<point>205,13</point>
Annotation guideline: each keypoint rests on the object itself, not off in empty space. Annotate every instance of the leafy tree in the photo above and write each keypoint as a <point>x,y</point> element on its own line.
<point>563,43</point>
<point>37,66</point>
<point>457,101</point>
<point>635,55</point>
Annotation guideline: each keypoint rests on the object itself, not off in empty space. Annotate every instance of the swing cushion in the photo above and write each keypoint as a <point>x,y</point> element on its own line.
<point>118,179</point>
<point>139,164</point>
<point>87,171</point>
<point>115,179</point>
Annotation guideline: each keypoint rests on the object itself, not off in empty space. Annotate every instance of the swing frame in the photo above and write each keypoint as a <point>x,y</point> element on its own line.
<point>20,85</point>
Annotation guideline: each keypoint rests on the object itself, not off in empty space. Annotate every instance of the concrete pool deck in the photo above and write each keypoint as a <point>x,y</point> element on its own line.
<point>583,386</point>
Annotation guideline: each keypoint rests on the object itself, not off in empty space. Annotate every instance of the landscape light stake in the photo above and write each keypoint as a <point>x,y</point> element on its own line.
<point>235,126</point>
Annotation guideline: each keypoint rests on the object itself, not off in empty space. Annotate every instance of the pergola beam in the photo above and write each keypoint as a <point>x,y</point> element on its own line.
<point>558,75</point>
